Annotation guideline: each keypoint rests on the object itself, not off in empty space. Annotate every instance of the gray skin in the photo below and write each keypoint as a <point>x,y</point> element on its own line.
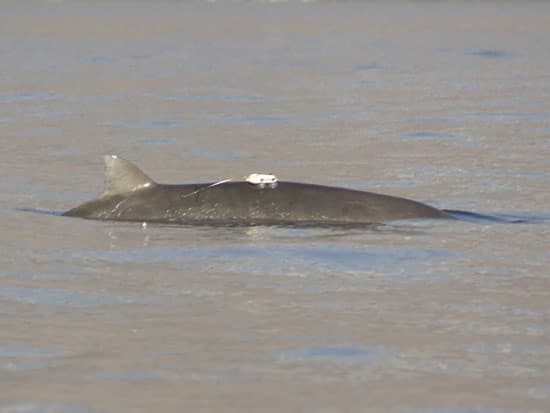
<point>130,195</point>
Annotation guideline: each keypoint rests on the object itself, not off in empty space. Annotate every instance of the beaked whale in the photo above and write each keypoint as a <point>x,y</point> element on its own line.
<point>130,195</point>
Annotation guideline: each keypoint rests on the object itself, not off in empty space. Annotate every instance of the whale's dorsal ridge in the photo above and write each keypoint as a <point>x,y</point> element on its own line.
<point>122,176</point>
<point>130,195</point>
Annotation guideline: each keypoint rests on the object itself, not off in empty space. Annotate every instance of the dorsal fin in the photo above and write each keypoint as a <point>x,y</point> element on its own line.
<point>122,176</point>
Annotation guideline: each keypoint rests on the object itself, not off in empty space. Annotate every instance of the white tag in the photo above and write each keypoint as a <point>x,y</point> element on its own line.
<point>262,180</point>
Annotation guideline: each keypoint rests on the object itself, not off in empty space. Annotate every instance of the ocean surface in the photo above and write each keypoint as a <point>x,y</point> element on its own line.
<point>446,103</point>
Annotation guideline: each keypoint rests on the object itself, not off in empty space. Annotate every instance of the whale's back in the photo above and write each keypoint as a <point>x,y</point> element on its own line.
<point>131,195</point>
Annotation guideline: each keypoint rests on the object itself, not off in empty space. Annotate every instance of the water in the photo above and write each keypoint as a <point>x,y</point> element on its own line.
<point>443,103</point>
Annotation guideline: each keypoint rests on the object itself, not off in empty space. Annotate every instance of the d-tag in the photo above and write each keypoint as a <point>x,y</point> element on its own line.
<point>262,180</point>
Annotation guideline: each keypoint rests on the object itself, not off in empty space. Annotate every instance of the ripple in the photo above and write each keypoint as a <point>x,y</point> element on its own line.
<point>214,154</point>
<point>339,353</point>
<point>27,96</point>
<point>20,358</point>
<point>161,141</point>
<point>99,59</point>
<point>515,116</point>
<point>315,261</point>
<point>450,410</point>
<point>366,67</point>
<point>428,135</point>
<point>263,119</point>
<point>240,98</point>
<point>146,123</point>
<point>67,297</point>
<point>135,375</point>
<point>28,352</point>
<point>491,53</point>
<point>50,407</point>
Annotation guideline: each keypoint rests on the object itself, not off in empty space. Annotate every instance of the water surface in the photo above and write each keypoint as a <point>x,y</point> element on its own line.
<point>443,103</point>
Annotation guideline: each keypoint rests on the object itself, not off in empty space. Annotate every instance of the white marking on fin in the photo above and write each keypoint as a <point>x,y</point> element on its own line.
<point>122,176</point>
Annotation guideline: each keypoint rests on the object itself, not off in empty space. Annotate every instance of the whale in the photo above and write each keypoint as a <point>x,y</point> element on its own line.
<point>131,195</point>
